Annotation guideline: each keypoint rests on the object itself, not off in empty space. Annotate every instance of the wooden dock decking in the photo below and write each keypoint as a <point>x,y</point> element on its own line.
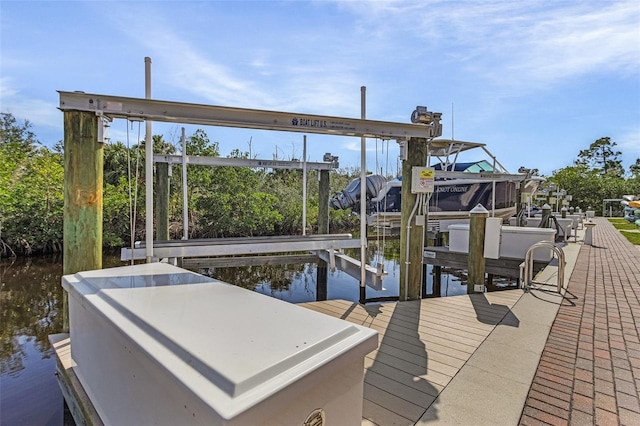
<point>422,346</point>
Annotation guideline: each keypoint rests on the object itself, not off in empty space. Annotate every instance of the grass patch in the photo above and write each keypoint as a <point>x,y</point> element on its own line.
<point>623,224</point>
<point>626,228</point>
<point>633,237</point>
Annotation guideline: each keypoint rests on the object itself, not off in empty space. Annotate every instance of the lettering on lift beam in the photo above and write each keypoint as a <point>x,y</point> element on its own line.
<point>309,122</point>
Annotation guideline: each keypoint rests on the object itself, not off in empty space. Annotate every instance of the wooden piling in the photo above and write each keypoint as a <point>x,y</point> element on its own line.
<point>520,204</point>
<point>437,281</point>
<point>162,201</point>
<point>411,277</point>
<point>83,202</point>
<point>476,267</point>
<point>545,222</point>
<point>323,228</point>
<point>323,202</point>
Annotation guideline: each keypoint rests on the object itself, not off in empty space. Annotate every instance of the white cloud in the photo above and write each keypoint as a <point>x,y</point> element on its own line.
<point>580,41</point>
<point>319,79</point>
<point>36,111</point>
<point>6,91</point>
<point>524,45</point>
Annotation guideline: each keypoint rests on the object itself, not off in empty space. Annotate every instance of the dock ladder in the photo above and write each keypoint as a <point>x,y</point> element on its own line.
<point>526,276</point>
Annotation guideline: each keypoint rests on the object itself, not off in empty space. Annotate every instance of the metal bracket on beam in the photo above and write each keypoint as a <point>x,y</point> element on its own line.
<point>332,259</point>
<point>103,127</point>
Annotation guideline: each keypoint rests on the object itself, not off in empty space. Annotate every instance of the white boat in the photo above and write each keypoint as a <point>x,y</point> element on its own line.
<point>458,188</point>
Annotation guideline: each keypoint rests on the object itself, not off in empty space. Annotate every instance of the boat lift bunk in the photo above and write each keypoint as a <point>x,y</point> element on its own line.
<point>328,247</point>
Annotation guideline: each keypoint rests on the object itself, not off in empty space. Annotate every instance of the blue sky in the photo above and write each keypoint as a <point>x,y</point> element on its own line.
<point>537,81</point>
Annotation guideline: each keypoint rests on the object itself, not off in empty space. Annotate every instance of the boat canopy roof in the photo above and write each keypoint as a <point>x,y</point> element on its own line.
<point>445,147</point>
<point>447,151</point>
<point>473,167</point>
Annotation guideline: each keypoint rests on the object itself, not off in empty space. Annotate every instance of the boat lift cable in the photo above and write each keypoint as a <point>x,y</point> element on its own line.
<point>133,194</point>
<point>185,195</point>
<point>380,249</point>
<point>386,175</point>
<point>131,219</point>
<point>137,176</point>
<point>377,216</point>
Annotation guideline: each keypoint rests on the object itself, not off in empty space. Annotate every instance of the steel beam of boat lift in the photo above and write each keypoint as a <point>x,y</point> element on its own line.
<point>209,115</point>
<point>243,245</point>
<point>242,162</point>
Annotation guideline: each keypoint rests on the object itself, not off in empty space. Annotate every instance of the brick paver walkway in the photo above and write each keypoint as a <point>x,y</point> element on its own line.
<point>589,372</point>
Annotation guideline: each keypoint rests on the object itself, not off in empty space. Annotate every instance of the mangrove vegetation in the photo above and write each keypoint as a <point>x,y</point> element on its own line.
<point>222,201</point>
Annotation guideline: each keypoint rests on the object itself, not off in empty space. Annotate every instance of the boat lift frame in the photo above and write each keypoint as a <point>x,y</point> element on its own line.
<point>110,107</point>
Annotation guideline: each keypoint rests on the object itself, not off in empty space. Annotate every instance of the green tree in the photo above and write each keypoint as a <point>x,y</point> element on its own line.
<point>223,201</point>
<point>588,187</point>
<point>118,162</point>
<point>634,169</point>
<point>115,212</point>
<point>601,156</point>
<point>31,200</point>
<point>633,183</point>
<point>19,134</point>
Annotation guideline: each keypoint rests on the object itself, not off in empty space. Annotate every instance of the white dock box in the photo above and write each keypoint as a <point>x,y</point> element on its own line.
<point>459,238</point>
<point>534,222</point>
<point>156,344</point>
<point>514,241</point>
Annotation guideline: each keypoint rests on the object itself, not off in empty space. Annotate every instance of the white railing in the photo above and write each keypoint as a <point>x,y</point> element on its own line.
<point>526,276</point>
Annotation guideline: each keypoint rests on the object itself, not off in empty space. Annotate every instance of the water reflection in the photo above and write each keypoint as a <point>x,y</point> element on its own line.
<point>30,307</point>
<point>30,300</point>
<point>299,283</point>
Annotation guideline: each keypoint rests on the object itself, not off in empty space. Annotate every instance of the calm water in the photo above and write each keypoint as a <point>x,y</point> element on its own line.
<point>31,302</point>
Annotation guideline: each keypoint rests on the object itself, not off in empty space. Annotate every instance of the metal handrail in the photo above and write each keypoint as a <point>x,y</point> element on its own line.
<point>528,264</point>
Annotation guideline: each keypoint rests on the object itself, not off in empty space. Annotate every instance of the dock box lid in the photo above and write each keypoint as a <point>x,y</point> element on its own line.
<point>143,275</point>
<point>232,347</point>
<point>459,227</point>
<point>528,230</point>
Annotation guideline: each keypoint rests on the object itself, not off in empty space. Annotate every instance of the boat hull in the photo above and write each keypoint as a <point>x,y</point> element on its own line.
<point>449,201</point>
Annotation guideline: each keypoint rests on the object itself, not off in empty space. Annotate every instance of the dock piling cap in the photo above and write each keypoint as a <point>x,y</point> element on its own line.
<point>479,209</point>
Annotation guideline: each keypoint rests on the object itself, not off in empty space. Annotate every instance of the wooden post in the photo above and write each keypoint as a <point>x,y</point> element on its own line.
<point>476,264</point>
<point>323,202</point>
<point>83,174</point>
<point>520,205</point>
<point>323,228</point>
<point>321,280</point>
<point>437,281</point>
<point>162,201</point>
<point>545,221</point>
<point>410,277</point>
<point>425,272</point>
